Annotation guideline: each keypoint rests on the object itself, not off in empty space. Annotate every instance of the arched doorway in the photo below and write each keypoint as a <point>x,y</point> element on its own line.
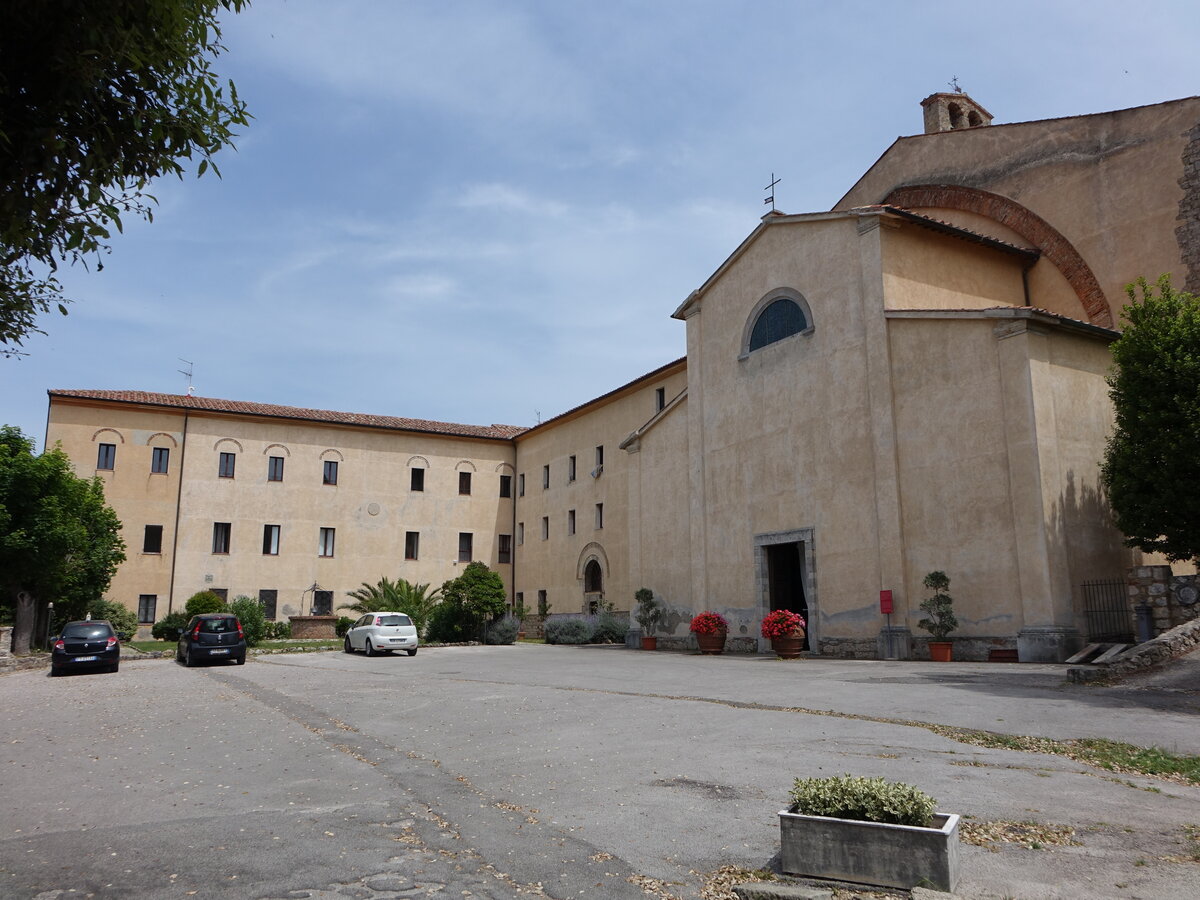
<point>591,570</point>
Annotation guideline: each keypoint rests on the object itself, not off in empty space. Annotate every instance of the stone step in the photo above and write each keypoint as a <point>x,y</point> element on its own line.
<point>1086,652</point>
<point>1111,653</point>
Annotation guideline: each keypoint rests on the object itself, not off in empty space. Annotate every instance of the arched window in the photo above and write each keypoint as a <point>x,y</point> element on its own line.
<point>593,579</point>
<point>782,318</point>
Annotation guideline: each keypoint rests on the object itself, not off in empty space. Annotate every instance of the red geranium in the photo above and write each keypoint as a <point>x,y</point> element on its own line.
<point>782,623</point>
<point>709,623</point>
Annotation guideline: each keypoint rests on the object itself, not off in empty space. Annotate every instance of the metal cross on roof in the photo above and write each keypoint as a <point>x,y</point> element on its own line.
<point>771,187</point>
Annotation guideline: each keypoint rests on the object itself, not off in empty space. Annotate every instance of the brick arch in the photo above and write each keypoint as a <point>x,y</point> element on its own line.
<point>1028,224</point>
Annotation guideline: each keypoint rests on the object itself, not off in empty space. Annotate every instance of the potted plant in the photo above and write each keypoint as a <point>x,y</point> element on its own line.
<point>649,614</point>
<point>786,632</point>
<point>710,629</point>
<point>941,620</point>
<point>520,612</point>
<point>868,830</point>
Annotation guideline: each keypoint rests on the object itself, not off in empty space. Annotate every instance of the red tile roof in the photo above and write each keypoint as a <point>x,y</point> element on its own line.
<point>243,408</point>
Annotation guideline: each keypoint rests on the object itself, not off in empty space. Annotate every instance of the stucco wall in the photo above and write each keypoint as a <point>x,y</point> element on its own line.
<point>923,269</point>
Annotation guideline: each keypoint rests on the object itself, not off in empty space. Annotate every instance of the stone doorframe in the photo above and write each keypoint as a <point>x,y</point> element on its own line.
<point>592,552</point>
<point>762,579</point>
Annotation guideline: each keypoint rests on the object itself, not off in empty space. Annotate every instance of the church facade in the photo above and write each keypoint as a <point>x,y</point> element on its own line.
<point>912,381</point>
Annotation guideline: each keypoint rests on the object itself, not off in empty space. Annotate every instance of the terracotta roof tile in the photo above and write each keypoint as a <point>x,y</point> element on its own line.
<point>244,408</point>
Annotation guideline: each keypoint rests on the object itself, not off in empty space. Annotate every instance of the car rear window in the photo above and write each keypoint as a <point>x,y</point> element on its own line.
<point>87,632</point>
<point>218,626</point>
<point>393,620</point>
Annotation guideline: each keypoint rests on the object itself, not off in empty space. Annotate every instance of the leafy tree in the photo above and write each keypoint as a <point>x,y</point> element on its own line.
<point>97,100</point>
<point>1151,468</point>
<point>59,541</point>
<point>479,589</point>
<point>250,613</point>
<point>203,602</point>
<point>414,600</point>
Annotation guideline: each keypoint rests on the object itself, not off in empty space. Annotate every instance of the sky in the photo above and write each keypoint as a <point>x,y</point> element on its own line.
<point>486,212</point>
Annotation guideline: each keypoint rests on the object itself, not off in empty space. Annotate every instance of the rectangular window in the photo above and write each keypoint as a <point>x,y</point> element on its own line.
<point>146,604</point>
<point>660,399</point>
<point>505,485</point>
<point>226,464</point>
<point>543,605</point>
<point>275,468</point>
<point>322,603</point>
<point>412,544</point>
<point>270,540</point>
<point>570,521</point>
<point>521,485</point>
<point>161,460</point>
<point>599,515</point>
<point>600,457</point>
<point>545,477</point>
<point>465,542</point>
<point>267,599</point>
<point>417,480</point>
<point>330,474</point>
<point>570,469</point>
<point>106,458</point>
<point>505,554</point>
<point>152,540</point>
<point>545,528</point>
<point>221,537</point>
<point>223,593</point>
<point>520,534</point>
<point>464,483</point>
<point>325,541</point>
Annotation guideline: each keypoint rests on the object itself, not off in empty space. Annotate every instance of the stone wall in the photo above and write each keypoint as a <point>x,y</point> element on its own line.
<point>1172,599</point>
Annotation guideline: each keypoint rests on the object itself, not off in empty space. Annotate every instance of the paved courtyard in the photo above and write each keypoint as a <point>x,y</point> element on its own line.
<point>555,771</point>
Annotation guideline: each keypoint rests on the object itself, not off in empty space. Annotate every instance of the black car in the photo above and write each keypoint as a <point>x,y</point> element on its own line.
<point>90,644</point>
<point>212,636</point>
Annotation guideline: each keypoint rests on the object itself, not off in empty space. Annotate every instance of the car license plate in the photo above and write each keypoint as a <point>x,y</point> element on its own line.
<point>216,652</point>
<point>85,659</point>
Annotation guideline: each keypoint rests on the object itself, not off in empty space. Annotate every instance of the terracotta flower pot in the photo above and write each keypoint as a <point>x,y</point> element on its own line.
<point>790,646</point>
<point>711,644</point>
<point>649,643</point>
<point>941,651</point>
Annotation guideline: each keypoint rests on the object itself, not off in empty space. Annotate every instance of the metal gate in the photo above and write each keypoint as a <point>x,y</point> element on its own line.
<point>1106,612</point>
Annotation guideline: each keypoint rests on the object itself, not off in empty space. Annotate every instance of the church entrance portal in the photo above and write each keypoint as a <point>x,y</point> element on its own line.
<point>784,574</point>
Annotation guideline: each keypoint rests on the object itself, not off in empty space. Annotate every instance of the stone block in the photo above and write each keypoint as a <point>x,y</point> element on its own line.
<point>1048,644</point>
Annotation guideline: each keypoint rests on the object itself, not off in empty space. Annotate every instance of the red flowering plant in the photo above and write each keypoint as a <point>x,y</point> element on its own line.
<point>782,623</point>
<point>709,623</point>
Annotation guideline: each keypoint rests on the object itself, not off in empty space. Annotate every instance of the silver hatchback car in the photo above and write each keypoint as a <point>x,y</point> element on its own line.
<point>382,632</point>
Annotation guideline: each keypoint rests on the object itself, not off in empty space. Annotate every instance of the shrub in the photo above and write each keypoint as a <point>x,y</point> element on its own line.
<point>343,625</point>
<point>167,628</point>
<point>502,631</point>
<point>122,619</point>
<point>609,629</point>
<point>250,613</point>
<point>568,631</point>
<point>451,623</point>
<point>204,602</point>
<point>278,631</point>
<point>862,799</point>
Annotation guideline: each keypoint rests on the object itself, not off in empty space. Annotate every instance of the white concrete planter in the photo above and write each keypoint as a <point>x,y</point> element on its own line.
<point>902,856</point>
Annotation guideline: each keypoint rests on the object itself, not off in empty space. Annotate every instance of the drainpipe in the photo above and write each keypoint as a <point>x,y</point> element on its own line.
<point>178,503</point>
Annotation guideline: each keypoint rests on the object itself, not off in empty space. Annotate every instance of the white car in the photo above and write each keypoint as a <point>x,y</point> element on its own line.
<point>382,632</point>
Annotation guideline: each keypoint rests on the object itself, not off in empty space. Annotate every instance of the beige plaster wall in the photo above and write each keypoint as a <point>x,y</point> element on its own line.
<point>556,564</point>
<point>785,439</point>
<point>923,269</point>
<point>1109,182</point>
<point>371,507</point>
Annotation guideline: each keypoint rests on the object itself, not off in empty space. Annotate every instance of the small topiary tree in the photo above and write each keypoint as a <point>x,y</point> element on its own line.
<point>204,602</point>
<point>250,613</point>
<point>940,607</point>
<point>168,627</point>
<point>649,611</point>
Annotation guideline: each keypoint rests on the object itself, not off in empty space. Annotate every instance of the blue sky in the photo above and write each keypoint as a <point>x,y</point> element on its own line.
<point>485,212</point>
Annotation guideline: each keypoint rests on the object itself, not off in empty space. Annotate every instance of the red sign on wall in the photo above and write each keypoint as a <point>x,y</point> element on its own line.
<point>885,603</point>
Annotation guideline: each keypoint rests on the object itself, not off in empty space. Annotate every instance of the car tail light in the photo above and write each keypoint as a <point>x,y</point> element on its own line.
<point>378,620</point>
<point>239,625</point>
<point>112,642</point>
<point>196,633</point>
<point>59,645</point>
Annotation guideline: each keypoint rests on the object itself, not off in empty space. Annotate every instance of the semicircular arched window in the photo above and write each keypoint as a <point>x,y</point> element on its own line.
<point>781,318</point>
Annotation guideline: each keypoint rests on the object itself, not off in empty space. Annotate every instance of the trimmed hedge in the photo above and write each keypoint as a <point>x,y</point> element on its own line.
<point>862,799</point>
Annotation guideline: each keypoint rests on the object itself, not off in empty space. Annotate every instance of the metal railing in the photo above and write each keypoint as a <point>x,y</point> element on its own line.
<point>1106,613</point>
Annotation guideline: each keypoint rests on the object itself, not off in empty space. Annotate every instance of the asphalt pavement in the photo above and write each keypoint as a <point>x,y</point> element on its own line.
<point>557,771</point>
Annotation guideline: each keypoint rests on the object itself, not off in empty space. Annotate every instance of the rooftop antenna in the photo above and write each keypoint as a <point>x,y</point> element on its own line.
<point>771,187</point>
<point>954,84</point>
<point>538,413</point>
<point>187,373</point>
